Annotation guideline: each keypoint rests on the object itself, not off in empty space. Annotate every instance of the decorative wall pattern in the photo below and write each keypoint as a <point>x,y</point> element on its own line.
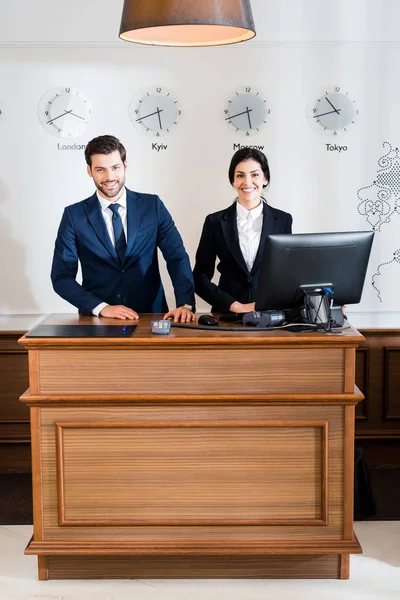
<point>379,272</point>
<point>381,200</point>
<point>380,203</point>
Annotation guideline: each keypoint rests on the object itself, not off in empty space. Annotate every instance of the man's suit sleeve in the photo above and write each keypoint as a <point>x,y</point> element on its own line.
<point>178,264</point>
<point>65,267</point>
<point>203,271</point>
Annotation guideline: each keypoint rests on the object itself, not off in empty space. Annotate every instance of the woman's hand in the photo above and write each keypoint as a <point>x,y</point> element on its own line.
<point>238,307</point>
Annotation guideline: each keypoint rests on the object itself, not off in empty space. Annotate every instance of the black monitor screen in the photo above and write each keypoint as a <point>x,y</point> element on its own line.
<point>313,259</point>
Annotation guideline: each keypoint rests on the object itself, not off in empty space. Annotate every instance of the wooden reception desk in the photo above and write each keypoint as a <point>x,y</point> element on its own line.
<point>197,454</point>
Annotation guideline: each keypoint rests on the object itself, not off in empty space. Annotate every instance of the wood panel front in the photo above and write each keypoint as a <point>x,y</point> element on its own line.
<point>381,417</point>
<point>192,473</point>
<point>391,399</point>
<point>362,374</point>
<point>191,370</point>
<point>14,416</point>
<point>14,381</point>
<point>233,467</point>
<point>183,567</point>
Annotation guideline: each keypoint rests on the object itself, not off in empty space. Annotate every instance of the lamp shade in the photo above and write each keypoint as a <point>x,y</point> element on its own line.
<point>187,22</point>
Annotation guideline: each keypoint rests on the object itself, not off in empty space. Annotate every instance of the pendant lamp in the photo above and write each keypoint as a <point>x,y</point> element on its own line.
<point>187,22</point>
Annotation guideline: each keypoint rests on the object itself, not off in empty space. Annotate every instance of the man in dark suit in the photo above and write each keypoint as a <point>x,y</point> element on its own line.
<point>114,235</point>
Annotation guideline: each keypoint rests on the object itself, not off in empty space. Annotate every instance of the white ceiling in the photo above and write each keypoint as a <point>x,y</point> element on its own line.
<point>97,21</point>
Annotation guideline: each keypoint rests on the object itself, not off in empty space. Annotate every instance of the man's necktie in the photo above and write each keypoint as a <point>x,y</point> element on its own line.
<point>119,235</point>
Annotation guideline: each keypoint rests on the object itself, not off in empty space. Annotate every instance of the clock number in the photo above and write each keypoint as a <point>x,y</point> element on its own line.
<point>248,89</point>
<point>67,90</point>
<point>335,133</point>
<point>158,90</point>
<point>179,112</point>
<point>357,112</point>
<point>158,134</point>
<point>136,112</point>
<point>247,133</point>
<point>268,112</point>
<point>225,112</point>
<point>337,89</point>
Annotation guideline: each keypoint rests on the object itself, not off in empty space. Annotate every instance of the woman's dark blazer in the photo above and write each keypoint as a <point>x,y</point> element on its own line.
<point>220,239</point>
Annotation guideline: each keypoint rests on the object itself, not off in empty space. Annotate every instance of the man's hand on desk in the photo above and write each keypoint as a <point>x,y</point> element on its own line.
<point>118,312</point>
<point>181,314</point>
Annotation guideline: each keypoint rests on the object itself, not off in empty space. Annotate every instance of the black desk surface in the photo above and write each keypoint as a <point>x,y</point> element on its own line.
<point>82,331</point>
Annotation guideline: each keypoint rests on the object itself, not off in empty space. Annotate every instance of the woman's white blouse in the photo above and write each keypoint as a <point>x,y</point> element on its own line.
<point>249,224</point>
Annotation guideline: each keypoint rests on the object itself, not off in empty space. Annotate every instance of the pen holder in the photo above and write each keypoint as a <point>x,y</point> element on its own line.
<point>317,306</point>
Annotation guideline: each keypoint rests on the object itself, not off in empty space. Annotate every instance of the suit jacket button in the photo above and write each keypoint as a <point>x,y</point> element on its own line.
<point>123,271</point>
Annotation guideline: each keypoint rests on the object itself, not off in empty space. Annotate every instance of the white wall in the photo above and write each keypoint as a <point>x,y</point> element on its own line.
<point>318,187</point>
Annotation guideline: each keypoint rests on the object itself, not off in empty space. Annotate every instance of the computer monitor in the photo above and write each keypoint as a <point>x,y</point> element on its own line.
<point>315,260</point>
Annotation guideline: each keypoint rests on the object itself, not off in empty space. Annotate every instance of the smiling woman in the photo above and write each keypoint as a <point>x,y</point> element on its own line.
<point>236,236</point>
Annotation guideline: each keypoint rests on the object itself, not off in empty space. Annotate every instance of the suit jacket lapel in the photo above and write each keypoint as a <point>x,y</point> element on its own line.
<point>268,228</point>
<point>95,218</point>
<point>133,207</point>
<point>230,232</point>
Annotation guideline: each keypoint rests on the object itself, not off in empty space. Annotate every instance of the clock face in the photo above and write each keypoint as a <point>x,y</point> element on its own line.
<point>65,111</point>
<point>332,110</point>
<point>246,111</point>
<point>155,112</point>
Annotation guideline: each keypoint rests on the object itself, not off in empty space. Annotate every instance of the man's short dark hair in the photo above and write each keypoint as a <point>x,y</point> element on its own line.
<point>248,154</point>
<point>104,144</point>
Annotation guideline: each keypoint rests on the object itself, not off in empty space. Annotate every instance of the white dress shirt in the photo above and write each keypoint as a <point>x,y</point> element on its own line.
<point>107,216</point>
<point>249,224</point>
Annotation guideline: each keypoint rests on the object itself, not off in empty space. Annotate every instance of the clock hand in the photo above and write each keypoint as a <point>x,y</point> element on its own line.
<point>159,118</point>
<point>75,115</point>
<point>238,114</point>
<point>66,112</point>
<point>151,114</point>
<point>327,113</point>
<point>248,116</point>
<point>335,109</point>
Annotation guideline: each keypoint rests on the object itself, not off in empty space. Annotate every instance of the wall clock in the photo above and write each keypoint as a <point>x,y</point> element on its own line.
<point>246,111</point>
<point>65,111</point>
<point>332,110</point>
<point>155,111</point>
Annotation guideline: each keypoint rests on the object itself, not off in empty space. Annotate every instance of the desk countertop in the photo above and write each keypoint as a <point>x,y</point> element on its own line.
<point>187,336</point>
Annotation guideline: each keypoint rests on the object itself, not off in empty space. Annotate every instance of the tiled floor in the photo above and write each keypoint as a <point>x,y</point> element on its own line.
<point>375,574</point>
